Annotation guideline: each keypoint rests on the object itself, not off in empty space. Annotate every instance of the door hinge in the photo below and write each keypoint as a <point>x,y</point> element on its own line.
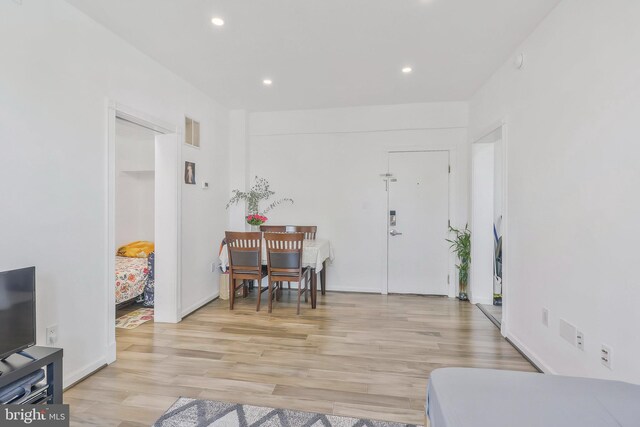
<point>448,279</point>
<point>449,223</point>
<point>449,168</point>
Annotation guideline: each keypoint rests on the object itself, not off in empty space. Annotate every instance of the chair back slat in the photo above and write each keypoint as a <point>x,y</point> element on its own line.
<point>284,252</point>
<point>308,230</point>
<point>245,250</point>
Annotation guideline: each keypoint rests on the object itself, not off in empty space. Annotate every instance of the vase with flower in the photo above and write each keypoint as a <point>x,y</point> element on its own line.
<point>260,191</point>
<point>255,221</point>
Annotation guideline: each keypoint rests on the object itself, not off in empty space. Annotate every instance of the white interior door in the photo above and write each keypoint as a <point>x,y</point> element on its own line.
<point>418,253</point>
<point>167,211</point>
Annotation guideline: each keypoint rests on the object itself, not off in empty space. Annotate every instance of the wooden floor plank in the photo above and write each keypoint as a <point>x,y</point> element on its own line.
<point>357,355</point>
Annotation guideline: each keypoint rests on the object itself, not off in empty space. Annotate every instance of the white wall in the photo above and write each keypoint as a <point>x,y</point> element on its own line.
<point>573,177</point>
<point>134,207</point>
<point>59,69</point>
<point>330,161</point>
<point>135,183</point>
<point>239,162</point>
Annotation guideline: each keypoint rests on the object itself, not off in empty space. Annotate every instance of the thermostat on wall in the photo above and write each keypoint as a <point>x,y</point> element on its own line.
<point>205,185</point>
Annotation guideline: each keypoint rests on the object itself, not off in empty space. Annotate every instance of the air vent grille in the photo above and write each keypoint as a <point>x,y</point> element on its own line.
<point>192,132</point>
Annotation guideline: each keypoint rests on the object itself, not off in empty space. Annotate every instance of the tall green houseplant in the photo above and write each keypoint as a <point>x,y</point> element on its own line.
<point>461,246</point>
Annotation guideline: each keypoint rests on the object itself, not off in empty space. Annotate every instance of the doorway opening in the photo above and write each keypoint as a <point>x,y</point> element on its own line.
<point>488,223</point>
<point>134,223</point>
<point>143,223</point>
<point>417,222</point>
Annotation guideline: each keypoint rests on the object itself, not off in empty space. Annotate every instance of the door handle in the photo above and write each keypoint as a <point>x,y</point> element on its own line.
<point>395,233</point>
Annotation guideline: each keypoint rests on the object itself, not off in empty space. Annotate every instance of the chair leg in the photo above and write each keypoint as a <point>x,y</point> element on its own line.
<point>270,296</point>
<point>245,288</point>
<point>259,295</point>
<point>232,292</point>
<point>299,290</point>
<point>306,290</point>
<point>289,283</point>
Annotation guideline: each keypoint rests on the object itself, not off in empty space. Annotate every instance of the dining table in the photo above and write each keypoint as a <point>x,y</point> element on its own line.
<point>315,255</point>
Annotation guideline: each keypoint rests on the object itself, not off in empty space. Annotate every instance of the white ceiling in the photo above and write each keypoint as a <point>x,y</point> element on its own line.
<point>325,53</point>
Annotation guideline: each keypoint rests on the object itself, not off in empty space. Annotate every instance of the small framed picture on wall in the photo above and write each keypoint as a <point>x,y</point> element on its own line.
<point>189,173</point>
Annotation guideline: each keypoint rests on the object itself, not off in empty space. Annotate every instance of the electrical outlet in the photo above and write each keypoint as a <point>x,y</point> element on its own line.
<point>52,335</point>
<point>545,317</point>
<point>580,340</point>
<point>605,356</point>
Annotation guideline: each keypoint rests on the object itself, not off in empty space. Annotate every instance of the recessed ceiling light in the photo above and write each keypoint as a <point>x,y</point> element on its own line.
<point>217,21</point>
<point>267,82</point>
<point>407,70</point>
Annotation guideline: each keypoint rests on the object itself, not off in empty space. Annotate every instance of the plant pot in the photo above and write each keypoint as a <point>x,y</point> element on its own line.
<point>254,227</point>
<point>462,296</point>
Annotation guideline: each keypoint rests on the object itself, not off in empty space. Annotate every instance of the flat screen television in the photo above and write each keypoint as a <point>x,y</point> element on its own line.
<point>17,310</point>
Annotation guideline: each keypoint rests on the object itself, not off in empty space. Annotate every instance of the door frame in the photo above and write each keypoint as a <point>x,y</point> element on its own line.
<point>485,136</point>
<point>474,274</point>
<point>116,110</point>
<point>450,193</point>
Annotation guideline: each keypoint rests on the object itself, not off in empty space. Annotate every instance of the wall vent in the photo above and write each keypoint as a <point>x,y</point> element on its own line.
<point>191,132</point>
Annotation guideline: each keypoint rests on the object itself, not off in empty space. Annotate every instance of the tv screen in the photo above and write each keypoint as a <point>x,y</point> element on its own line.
<point>17,310</point>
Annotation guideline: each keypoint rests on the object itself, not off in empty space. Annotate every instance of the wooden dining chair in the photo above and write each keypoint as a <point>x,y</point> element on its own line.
<point>245,263</point>
<point>284,264</point>
<point>308,230</point>
<point>273,228</point>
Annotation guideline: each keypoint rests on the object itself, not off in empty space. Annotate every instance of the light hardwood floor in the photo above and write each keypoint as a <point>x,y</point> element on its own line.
<point>357,355</point>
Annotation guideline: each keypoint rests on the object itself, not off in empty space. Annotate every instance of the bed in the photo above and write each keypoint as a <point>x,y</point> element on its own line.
<point>135,279</point>
<point>131,278</point>
<point>463,397</point>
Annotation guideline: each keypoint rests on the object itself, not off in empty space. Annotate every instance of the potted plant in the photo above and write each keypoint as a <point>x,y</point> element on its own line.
<point>259,191</point>
<point>461,246</point>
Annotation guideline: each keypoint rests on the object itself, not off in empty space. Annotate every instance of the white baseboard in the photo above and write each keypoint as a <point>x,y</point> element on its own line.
<point>530,354</point>
<point>353,289</point>
<point>79,374</point>
<point>111,353</point>
<point>197,305</point>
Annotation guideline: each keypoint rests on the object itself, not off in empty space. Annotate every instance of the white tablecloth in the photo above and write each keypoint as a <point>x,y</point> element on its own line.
<point>314,253</point>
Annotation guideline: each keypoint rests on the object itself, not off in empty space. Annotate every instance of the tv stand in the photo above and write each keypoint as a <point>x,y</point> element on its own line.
<point>16,367</point>
<point>27,355</point>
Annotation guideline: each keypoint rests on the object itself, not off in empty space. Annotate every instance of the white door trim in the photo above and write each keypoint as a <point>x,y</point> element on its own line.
<point>451,197</point>
<point>116,110</point>
<point>486,136</point>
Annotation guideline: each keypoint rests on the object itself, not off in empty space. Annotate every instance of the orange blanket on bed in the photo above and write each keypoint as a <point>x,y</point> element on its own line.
<point>139,249</point>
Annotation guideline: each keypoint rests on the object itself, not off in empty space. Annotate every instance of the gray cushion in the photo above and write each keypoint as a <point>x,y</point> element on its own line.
<point>285,260</point>
<point>244,258</point>
<point>463,397</point>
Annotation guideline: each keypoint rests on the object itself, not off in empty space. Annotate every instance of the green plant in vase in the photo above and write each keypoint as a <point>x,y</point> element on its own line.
<point>259,191</point>
<point>461,246</point>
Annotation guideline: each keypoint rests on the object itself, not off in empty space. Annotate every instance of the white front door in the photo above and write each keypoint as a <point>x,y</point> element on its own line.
<point>418,253</point>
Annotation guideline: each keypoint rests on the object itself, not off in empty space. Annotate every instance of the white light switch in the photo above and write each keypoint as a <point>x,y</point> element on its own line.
<point>52,335</point>
<point>545,317</point>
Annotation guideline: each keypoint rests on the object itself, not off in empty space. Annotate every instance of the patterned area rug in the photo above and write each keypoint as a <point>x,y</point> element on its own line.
<point>207,413</point>
<point>135,318</point>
